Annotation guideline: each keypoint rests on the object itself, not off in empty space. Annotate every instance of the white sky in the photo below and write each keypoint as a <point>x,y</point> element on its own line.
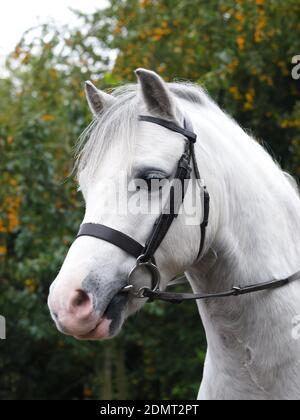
<point>16,16</point>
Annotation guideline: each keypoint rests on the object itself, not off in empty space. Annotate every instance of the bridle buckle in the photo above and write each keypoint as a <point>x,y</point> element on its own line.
<point>236,291</point>
<point>141,292</point>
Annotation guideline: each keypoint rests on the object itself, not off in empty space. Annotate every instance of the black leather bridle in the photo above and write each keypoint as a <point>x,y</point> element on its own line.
<point>145,254</point>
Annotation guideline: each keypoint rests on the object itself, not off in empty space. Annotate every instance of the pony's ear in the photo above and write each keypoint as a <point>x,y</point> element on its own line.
<point>156,93</point>
<point>97,99</point>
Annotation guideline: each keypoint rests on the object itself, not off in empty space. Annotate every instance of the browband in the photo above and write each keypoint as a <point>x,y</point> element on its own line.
<point>170,125</point>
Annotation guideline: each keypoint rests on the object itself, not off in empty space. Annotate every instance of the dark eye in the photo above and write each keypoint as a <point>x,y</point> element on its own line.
<point>153,182</point>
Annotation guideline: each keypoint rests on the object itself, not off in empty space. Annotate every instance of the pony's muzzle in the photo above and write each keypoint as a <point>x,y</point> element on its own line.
<point>76,316</point>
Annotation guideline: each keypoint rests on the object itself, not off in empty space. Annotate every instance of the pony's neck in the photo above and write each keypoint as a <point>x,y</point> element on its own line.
<point>255,231</point>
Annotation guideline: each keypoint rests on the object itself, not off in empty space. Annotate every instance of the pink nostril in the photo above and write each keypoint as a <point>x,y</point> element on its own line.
<point>81,304</point>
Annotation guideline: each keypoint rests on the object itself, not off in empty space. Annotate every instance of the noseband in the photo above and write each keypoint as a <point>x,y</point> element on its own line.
<point>144,254</point>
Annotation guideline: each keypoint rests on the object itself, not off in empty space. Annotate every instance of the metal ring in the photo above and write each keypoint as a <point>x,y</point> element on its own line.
<point>155,275</point>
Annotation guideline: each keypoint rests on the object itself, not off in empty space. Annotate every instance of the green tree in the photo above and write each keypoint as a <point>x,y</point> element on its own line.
<point>240,50</point>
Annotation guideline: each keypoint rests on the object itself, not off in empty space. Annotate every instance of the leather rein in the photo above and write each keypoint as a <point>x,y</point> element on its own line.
<point>145,254</point>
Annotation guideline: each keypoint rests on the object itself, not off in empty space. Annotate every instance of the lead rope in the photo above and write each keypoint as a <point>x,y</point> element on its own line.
<point>235,291</point>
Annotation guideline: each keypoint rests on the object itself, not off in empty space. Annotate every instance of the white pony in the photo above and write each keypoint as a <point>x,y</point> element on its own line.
<point>254,229</point>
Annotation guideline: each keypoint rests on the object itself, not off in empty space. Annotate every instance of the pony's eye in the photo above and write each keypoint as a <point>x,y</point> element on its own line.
<point>152,182</point>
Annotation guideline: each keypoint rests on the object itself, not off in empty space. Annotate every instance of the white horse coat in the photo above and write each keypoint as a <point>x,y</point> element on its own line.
<point>254,229</point>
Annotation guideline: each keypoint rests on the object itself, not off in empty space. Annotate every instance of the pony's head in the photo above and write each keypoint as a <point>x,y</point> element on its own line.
<point>85,299</point>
